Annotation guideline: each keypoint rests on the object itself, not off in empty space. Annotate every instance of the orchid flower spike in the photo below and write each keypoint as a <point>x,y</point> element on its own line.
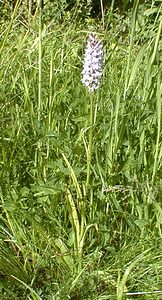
<point>93,63</point>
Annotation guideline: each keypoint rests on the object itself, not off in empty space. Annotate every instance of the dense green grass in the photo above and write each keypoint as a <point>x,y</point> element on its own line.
<point>63,236</point>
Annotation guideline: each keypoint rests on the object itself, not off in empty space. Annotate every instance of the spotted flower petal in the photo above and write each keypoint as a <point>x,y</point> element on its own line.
<point>93,63</point>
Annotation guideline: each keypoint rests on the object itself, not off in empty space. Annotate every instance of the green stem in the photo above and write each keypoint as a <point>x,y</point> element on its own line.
<point>39,107</point>
<point>40,62</point>
<point>90,146</point>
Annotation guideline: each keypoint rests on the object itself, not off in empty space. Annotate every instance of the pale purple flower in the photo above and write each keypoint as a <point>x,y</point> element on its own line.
<point>93,62</point>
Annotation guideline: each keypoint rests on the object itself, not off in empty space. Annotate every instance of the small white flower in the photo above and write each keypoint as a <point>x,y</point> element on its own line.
<point>93,62</point>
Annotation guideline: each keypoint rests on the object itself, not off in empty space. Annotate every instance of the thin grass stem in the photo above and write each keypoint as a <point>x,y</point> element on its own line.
<point>40,62</point>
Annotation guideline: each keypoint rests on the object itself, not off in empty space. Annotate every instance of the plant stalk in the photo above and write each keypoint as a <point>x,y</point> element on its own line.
<point>90,145</point>
<point>40,62</point>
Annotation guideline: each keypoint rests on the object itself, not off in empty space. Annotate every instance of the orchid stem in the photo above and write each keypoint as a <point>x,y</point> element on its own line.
<point>90,145</point>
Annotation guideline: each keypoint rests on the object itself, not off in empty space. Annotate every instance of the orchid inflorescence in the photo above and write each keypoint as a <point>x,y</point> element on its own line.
<point>93,62</point>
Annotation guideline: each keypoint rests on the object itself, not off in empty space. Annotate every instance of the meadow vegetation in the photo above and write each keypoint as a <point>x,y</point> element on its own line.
<point>62,237</point>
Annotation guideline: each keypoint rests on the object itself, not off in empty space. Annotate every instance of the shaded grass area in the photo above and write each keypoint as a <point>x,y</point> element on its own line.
<point>58,239</point>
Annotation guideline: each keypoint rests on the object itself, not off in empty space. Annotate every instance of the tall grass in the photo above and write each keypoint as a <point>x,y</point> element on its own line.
<point>66,234</point>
